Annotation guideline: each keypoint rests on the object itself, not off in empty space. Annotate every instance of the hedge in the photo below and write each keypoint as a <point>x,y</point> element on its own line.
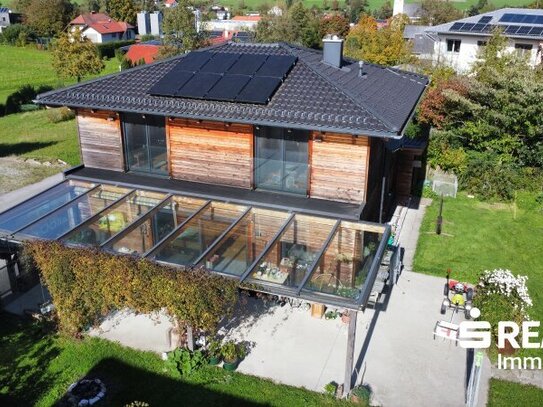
<point>87,284</point>
<point>107,50</point>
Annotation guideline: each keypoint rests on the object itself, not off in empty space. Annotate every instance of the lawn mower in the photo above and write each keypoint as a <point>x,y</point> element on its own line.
<point>458,296</point>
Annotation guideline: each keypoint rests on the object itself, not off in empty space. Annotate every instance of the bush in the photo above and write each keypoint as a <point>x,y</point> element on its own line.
<point>17,34</point>
<point>107,50</point>
<point>500,296</point>
<point>232,351</point>
<point>362,393</point>
<point>61,114</point>
<point>23,96</point>
<point>331,389</point>
<point>87,284</point>
<point>185,362</point>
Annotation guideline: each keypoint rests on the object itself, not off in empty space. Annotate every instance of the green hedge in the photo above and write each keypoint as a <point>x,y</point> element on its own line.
<point>107,50</point>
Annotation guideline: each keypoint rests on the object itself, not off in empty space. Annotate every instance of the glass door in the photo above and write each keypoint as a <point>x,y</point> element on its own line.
<point>281,160</point>
<point>145,144</point>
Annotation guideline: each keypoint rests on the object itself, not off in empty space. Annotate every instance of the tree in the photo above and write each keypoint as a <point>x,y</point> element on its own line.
<point>384,46</point>
<point>180,33</point>
<point>48,18</point>
<point>75,56</point>
<point>356,8</point>
<point>436,12</point>
<point>384,12</point>
<point>482,6</point>
<point>336,25</point>
<point>122,10</point>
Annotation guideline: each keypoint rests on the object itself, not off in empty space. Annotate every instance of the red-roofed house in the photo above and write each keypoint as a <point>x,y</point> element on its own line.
<point>147,52</point>
<point>100,28</point>
<point>170,3</point>
<point>247,18</point>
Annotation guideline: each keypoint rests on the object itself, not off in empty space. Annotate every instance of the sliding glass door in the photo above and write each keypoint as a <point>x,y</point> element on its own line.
<point>145,144</point>
<point>281,160</point>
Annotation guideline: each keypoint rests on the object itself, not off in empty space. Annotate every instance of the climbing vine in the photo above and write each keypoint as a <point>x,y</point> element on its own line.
<point>87,284</point>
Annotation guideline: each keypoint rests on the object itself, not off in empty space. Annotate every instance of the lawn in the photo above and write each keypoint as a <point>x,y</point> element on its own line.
<point>479,236</point>
<point>507,394</point>
<point>37,368</point>
<point>32,135</point>
<point>29,66</point>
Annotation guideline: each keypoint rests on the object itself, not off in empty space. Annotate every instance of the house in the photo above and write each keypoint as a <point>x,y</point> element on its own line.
<point>170,3</point>
<point>263,163</point>
<point>423,41</point>
<point>100,28</point>
<point>147,52</point>
<point>411,10</point>
<point>7,17</point>
<point>237,23</point>
<point>150,23</point>
<point>458,43</point>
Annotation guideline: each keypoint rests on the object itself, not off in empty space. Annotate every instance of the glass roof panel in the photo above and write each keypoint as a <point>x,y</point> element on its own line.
<point>238,249</point>
<point>200,233</point>
<point>76,212</point>
<point>157,225</point>
<point>290,258</point>
<point>42,204</point>
<point>345,264</point>
<point>115,219</point>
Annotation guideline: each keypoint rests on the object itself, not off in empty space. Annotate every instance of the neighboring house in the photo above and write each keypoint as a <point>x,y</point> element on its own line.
<point>100,28</point>
<point>150,23</point>
<point>411,10</point>
<point>423,41</point>
<point>458,43</point>
<point>255,161</point>
<point>170,3</point>
<point>143,51</point>
<point>8,18</point>
<point>237,23</point>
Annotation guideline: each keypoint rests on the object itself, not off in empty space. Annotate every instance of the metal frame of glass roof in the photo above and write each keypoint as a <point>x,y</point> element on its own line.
<point>224,217</point>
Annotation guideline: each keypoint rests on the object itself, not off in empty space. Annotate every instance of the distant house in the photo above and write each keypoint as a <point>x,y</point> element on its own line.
<point>458,43</point>
<point>101,28</point>
<point>237,23</point>
<point>145,51</point>
<point>411,10</point>
<point>8,18</point>
<point>423,41</point>
<point>170,3</point>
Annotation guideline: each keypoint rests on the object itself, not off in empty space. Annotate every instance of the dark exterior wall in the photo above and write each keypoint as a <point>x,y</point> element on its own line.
<point>376,170</point>
<point>100,139</point>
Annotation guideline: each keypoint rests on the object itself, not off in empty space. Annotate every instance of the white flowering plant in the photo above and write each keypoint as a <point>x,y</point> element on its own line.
<point>502,296</point>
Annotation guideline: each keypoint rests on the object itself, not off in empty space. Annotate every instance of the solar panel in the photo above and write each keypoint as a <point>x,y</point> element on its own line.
<point>456,26</point>
<point>228,87</point>
<point>525,29</point>
<point>511,29</point>
<point>248,64</point>
<point>220,63</point>
<point>199,85</point>
<point>536,31</point>
<point>193,61</point>
<point>170,83</point>
<point>522,18</point>
<point>277,66</point>
<point>485,19</point>
<point>259,90</point>
<point>478,27</point>
<point>539,20</point>
<point>467,27</point>
<point>517,18</point>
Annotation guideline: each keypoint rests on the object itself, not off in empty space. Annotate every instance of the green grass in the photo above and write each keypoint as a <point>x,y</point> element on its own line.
<point>29,66</point>
<point>478,236</point>
<point>37,368</point>
<point>507,394</point>
<point>31,135</point>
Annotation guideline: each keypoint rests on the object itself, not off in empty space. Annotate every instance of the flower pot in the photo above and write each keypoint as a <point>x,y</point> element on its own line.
<point>230,366</point>
<point>214,360</point>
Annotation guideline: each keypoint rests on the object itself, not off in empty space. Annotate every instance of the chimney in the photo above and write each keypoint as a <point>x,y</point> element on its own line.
<point>398,7</point>
<point>332,51</point>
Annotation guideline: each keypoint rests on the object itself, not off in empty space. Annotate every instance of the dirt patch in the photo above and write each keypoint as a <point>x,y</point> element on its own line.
<point>16,172</point>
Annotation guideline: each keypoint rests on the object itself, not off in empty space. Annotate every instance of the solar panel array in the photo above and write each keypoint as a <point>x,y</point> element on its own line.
<point>232,77</point>
<point>480,28</point>
<point>522,18</point>
<point>485,19</point>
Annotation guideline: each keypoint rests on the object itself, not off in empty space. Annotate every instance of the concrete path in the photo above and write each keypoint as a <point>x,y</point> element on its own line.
<point>533,377</point>
<point>15,197</point>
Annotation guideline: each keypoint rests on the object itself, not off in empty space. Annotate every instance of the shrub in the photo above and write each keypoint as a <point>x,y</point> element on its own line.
<point>60,114</point>
<point>87,284</point>
<point>107,50</point>
<point>184,361</point>
<point>362,393</point>
<point>232,351</point>
<point>500,296</point>
<point>16,34</point>
<point>23,96</point>
<point>331,389</point>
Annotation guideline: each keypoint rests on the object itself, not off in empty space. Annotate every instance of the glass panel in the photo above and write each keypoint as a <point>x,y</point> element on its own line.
<point>158,225</point>
<point>290,258</point>
<point>115,218</point>
<point>42,204</point>
<point>199,234</point>
<point>243,244</point>
<point>344,267</point>
<point>137,148</point>
<point>75,213</point>
<point>296,157</point>
<point>157,146</point>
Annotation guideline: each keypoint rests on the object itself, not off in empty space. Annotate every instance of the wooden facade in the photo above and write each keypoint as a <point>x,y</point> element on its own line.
<point>211,152</point>
<point>100,139</point>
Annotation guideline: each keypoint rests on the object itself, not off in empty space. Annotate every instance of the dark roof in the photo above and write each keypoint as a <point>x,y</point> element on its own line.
<point>313,96</point>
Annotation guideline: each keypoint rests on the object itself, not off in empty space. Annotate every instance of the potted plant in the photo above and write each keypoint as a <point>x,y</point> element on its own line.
<point>214,352</point>
<point>361,395</point>
<point>232,353</point>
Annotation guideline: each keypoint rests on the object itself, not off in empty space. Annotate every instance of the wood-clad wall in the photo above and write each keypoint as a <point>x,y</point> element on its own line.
<point>211,152</point>
<point>100,139</point>
<point>339,166</point>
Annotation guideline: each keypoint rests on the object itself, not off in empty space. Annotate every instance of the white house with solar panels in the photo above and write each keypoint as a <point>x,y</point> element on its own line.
<point>458,43</point>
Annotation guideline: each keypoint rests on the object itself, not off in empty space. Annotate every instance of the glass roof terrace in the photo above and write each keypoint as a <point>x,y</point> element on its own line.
<point>319,259</point>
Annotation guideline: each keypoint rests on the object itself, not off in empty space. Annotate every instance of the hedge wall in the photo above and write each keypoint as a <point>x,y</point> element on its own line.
<point>87,284</point>
<point>107,49</point>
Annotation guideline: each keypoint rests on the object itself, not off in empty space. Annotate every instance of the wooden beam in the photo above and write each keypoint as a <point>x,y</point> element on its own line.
<point>349,360</point>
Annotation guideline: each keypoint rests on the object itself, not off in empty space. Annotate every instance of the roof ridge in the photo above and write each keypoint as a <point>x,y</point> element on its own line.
<point>348,94</point>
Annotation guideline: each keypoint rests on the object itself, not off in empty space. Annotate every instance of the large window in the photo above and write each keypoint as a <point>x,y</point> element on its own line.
<point>453,45</point>
<point>281,160</point>
<point>523,49</point>
<point>145,144</point>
